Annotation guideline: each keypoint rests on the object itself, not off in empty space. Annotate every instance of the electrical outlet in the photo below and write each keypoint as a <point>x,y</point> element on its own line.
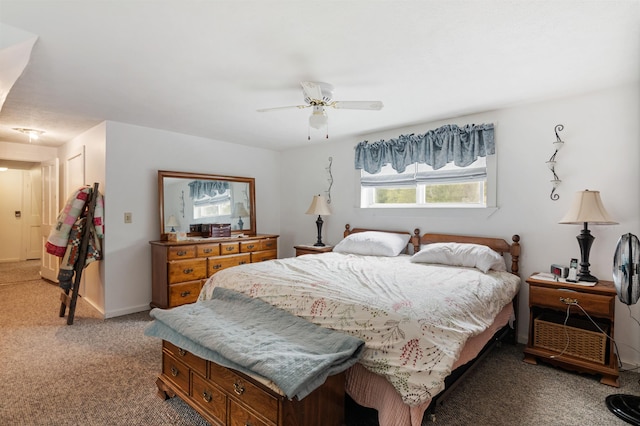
<point>128,218</point>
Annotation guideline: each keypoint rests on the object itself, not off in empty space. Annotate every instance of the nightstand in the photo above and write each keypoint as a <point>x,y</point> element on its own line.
<point>579,345</point>
<point>310,249</point>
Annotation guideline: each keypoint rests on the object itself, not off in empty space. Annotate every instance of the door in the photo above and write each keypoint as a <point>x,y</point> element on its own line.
<point>50,207</point>
<point>32,195</point>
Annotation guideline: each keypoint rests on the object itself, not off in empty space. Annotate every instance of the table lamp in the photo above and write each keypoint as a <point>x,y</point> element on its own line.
<point>238,212</point>
<point>172,222</point>
<point>586,208</point>
<point>320,207</point>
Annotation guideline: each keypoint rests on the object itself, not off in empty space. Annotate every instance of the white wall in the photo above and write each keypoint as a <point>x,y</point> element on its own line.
<point>92,142</point>
<point>133,157</point>
<point>601,152</point>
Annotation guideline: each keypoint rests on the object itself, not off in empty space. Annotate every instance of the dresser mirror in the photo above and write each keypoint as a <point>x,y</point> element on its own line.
<point>191,202</point>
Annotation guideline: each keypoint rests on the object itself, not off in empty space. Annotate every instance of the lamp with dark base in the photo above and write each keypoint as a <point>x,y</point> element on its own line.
<point>320,207</point>
<point>586,208</point>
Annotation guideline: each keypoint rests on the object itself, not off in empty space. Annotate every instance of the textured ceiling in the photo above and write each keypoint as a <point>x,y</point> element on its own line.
<point>203,68</point>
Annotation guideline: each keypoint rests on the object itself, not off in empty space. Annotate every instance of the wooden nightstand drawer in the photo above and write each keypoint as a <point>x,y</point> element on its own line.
<point>595,304</point>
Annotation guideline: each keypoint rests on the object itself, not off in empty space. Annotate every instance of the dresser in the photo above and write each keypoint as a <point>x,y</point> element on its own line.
<point>561,333</point>
<point>227,397</point>
<point>180,268</point>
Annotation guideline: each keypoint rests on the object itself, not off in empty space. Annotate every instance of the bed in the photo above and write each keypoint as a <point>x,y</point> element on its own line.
<point>420,334</point>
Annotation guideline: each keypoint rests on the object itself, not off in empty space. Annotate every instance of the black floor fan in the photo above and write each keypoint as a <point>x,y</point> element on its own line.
<point>626,263</point>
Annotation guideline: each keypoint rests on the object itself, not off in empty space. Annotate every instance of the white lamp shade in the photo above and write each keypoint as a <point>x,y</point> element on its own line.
<point>318,206</point>
<point>240,210</point>
<point>587,207</point>
<point>172,222</point>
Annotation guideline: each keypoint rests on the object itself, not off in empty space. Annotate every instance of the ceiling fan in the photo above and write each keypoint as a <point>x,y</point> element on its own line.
<point>319,96</point>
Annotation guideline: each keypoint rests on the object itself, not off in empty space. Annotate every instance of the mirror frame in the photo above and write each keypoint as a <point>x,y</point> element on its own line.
<point>203,176</point>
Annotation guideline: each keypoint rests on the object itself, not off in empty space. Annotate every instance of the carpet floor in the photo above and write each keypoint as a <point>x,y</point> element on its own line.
<point>102,372</point>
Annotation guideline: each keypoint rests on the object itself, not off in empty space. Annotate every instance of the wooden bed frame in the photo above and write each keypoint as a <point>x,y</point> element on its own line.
<point>506,333</point>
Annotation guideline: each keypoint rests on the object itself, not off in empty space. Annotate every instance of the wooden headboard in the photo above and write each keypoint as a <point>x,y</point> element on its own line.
<point>497,244</point>
<point>414,241</point>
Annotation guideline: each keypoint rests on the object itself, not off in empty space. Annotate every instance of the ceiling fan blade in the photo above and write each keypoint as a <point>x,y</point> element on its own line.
<point>311,90</point>
<point>283,107</point>
<point>375,105</point>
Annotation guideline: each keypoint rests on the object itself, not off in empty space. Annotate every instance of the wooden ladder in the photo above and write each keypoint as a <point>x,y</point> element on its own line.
<point>71,300</point>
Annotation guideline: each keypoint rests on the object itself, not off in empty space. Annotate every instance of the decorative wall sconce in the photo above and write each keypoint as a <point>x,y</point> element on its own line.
<point>555,182</point>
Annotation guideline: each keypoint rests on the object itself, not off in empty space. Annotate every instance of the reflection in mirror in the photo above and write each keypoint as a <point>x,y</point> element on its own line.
<point>192,202</point>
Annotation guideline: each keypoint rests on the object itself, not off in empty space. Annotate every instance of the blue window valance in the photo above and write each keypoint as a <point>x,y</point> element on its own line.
<point>209,188</point>
<point>446,144</point>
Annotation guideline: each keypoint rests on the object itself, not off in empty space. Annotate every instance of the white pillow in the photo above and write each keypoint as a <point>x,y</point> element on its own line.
<point>373,243</point>
<point>460,254</point>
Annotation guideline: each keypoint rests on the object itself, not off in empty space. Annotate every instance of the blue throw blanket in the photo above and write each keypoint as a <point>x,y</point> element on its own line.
<point>251,336</point>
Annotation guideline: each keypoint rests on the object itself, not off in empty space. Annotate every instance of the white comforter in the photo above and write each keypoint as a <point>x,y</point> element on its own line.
<point>414,317</point>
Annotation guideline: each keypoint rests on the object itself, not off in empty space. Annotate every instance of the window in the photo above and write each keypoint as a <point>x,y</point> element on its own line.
<point>208,207</point>
<point>421,186</point>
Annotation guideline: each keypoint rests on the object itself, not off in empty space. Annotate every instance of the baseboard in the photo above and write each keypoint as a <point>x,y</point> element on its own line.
<point>126,311</point>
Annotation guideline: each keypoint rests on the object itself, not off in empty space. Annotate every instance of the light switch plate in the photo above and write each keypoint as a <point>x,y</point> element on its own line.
<point>128,217</point>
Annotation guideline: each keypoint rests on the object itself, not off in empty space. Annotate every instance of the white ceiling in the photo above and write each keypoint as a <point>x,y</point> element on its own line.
<point>203,67</point>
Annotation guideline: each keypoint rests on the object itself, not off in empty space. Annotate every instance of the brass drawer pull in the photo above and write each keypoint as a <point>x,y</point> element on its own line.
<point>208,250</point>
<point>182,352</point>
<point>242,262</point>
<point>206,396</point>
<point>185,293</point>
<point>188,270</point>
<point>181,252</point>
<point>238,388</point>
<point>568,301</point>
<point>230,248</point>
<point>250,246</point>
<point>174,371</point>
<point>217,266</point>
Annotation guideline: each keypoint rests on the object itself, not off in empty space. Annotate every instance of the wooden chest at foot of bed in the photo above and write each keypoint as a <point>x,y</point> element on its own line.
<point>226,397</point>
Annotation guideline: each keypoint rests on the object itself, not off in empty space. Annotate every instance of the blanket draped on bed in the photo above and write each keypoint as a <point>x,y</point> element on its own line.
<point>251,336</point>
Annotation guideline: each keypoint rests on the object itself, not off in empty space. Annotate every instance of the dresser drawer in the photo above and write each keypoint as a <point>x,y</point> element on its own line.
<point>181,252</point>
<point>175,371</point>
<point>206,250</point>
<point>194,362</point>
<point>260,256</point>
<point>216,264</point>
<point>249,246</point>
<point>229,248</point>
<point>187,270</point>
<point>240,416</point>
<point>251,395</point>
<point>187,292</point>
<point>209,396</point>
<point>595,304</point>
<point>269,244</point>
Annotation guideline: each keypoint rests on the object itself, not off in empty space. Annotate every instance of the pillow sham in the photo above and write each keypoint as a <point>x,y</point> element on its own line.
<point>373,243</point>
<point>461,254</point>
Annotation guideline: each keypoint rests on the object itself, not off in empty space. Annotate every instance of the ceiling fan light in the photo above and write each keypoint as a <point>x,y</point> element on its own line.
<point>318,120</point>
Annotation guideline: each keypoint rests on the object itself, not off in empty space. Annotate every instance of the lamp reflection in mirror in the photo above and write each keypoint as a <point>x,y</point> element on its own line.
<point>238,212</point>
<point>586,208</point>
<point>173,222</point>
<point>319,207</point>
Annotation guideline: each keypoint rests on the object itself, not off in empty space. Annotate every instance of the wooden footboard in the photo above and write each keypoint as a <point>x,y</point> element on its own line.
<point>227,397</point>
